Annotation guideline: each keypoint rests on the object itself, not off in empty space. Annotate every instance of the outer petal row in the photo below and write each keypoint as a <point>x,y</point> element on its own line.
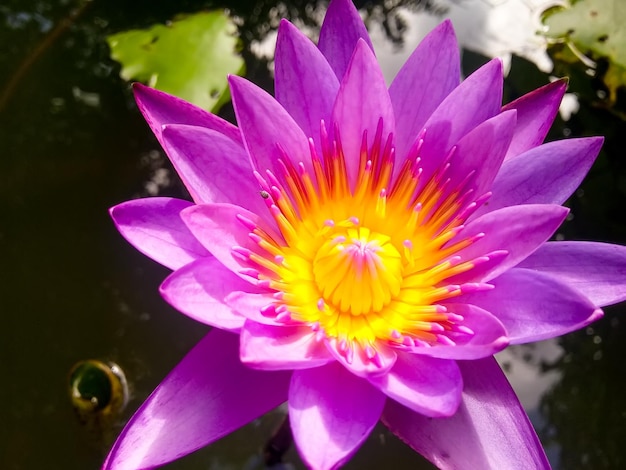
<point>535,306</point>
<point>211,165</point>
<point>547,174</point>
<point>198,290</point>
<point>159,109</point>
<point>208,395</point>
<point>597,270</point>
<point>331,413</point>
<point>490,430</point>
<point>519,230</point>
<point>153,226</point>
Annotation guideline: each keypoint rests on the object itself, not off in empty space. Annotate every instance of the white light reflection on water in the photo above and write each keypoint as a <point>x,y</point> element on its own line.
<point>493,28</point>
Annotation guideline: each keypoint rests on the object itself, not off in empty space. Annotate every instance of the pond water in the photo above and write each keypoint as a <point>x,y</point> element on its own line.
<point>73,145</point>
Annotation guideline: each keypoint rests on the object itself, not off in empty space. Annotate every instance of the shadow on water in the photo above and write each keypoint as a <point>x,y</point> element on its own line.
<point>73,144</point>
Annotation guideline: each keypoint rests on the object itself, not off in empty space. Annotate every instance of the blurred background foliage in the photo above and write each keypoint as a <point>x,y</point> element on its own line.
<point>189,57</point>
<point>74,144</point>
<point>591,33</point>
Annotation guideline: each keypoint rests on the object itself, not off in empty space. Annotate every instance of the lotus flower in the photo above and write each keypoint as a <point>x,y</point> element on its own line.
<point>362,252</point>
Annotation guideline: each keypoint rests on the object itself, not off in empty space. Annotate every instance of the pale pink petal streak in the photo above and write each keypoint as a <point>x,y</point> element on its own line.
<point>255,306</point>
<point>486,335</point>
<point>341,30</point>
<point>219,228</point>
<point>490,431</point>
<point>331,413</point>
<point>153,226</point>
<point>198,290</point>
<point>208,395</point>
<point>356,360</point>
<point>281,347</point>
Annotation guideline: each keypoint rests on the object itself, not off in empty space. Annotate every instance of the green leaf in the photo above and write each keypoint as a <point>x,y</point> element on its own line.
<point>189,57</point>
<point>594,28</point>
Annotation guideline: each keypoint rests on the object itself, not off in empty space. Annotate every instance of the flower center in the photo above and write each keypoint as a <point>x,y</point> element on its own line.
<point>358,271</point>
<point>366,261</point>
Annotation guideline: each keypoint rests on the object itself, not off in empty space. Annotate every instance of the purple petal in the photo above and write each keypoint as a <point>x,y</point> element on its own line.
<point>548,174</point>
<point>269,132</point>
<point>489,335</point>
<point>597,270</point>
<point>357,362</point>
<point>341,30</point>
<point>305,84</point>
<point>208,395</point>
<point>198,290</point>
<point>153,226</point>
<point>427,77</point>
<point>281,347</point>
<point>475,100</point>
<point>520,230</point>
<point>490,431</point>
<point>535,113</point>
<point>159,109</point>
<point>481,152</point>
<point>534,306</point>
<point>481,269</point>
<point>213,167</point>
<point>331,413</point>
<point>424,384</point>
<point>362,102</point>
<point>217,227</point>
<point>251,304</point>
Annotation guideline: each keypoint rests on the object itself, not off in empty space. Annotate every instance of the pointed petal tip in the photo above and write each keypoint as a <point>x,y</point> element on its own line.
<point>445,28</point>
<point>138,88</point>
<point>596,315</point>
<point>562,82</point>
<point>237,82</point>
<point>143,93</point>
<point>284,25</point>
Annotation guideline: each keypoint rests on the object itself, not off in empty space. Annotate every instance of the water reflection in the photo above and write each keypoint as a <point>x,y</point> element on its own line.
<point>73,145</point>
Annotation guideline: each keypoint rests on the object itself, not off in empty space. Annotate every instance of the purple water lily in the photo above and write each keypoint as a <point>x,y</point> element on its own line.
<point>362,252</point>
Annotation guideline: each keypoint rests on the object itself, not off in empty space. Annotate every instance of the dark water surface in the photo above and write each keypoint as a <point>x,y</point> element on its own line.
<point>73,145</point>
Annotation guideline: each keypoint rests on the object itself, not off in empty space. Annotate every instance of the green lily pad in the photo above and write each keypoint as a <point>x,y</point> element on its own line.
<point>189,57</point>
<point>595,28</point>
